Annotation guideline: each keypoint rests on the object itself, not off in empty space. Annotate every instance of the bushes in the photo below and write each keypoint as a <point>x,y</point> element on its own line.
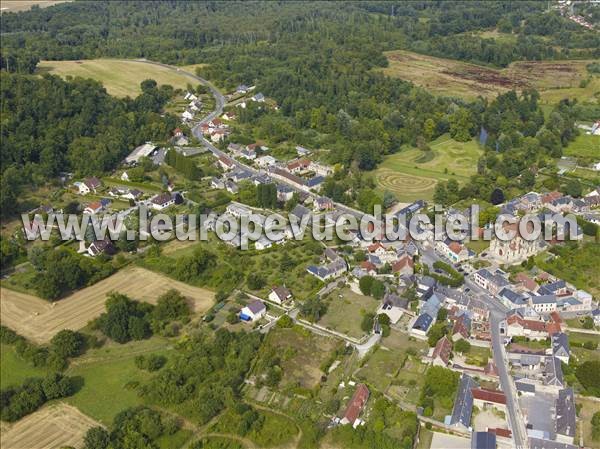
<point>153,362</point>
<point>454,278</point>
<point>124,319</point>
<point>64,344</point>
<point>135,427</point>
<point>588,374</point>
<point>20,401</point>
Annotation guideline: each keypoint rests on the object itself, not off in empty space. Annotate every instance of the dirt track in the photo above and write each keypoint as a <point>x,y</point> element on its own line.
<point>38,320</point>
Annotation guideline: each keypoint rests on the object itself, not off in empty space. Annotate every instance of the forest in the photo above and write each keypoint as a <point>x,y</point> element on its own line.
<point>52,126</point>
<point>315,60</point>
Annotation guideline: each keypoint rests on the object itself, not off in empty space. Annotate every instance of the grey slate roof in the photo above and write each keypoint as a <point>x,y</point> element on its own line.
<point>463,403</point>
<point>565,413</point>
<point>483,440</point>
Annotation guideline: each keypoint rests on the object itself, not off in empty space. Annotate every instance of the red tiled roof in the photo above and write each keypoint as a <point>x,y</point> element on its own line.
<point>442,349</point>
<point>368,265</point>
<point>405,261</point>
<point>483,394</point>
<point>459,327</point>
<point>526,281</point>
<point>506,433</point>
<point>356,404</point>
<point>455,247</point>
<point>375,247</point>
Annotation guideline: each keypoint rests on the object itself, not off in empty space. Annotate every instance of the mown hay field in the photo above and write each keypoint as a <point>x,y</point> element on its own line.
<point>120,77</point>
<point>51,427</point>
<point>38,320</point>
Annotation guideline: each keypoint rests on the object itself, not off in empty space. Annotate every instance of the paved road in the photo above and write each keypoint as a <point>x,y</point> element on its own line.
<point>497,315</point>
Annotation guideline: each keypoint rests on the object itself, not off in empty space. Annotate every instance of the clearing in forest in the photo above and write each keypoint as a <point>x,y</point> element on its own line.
<point>120,77</point>
<point>554,80</point>
<point>412,173</point>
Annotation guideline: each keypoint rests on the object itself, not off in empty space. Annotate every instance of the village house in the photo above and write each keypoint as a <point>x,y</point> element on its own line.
<point>516,325</point>
<point>162,201</point>
<point>101,247</point>
<point>543,303</point>
<point>485,398</point>
<point>219,135</point>
<point>88,185</point>
<point>565,416</point>
<point>560,347</point>
<point>279,295</point>
<point>238,210</point>
<point>226,163</point>
<point>525,283</point>
<point>231,187</point>
<point>266,161</point>
<point>483,440</point>
<point>462,327</point>
<point>284,193</point>
<point>301,151</point>
<point>356,406</point>
<point>298,166</point>
<point>217,183</point>
<point>230,115</point>
<point>253,311</point>
<point>259,97</point>
<point>441,352</point>
<point>93,208</point>
<point>453,250</point>
<point>320,169</point>
<point>404,266</point>
<point>331,270</point>
<point>323,203</point>
<point>393,306</point>
<point>491,281</point>
<point>513,299</point>
<point>463,404</point>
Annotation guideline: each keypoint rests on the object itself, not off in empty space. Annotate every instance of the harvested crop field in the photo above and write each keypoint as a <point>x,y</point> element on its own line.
<point>39,320</point>
<point>52,427</point>
<point>120,77</point>
<point>553,79</point>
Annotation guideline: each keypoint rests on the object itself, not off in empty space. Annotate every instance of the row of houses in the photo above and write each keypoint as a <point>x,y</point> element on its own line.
<point>552,295</point>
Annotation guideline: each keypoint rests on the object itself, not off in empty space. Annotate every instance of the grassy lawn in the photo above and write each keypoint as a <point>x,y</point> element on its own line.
<point>121,78</point>
<point>274,431</point>
<point>14,369</point>
<point>575,323</point>
<point>106,373</point>
<point>381,368</point>
<point>584,145</point>
<point>580,337</point>
<point>393,370</point>
<point>478,246</point>
<point>584,425</point>
<point>412,174</point>
<point>577,264</point>
<point>478,356</point>
<point>345,314</point>
<point>425,438</point>
<point>301,355</point>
